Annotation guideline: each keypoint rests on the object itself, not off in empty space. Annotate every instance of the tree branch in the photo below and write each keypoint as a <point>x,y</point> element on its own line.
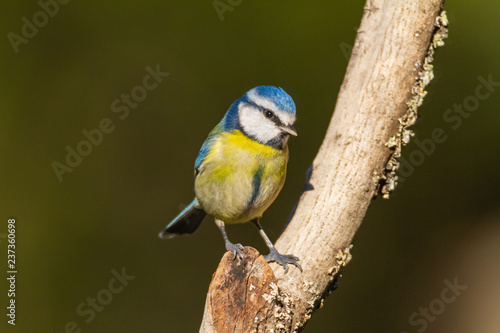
<point>383,86</point>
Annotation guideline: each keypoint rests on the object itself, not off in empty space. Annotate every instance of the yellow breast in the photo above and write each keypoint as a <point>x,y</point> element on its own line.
<point>240,177</point>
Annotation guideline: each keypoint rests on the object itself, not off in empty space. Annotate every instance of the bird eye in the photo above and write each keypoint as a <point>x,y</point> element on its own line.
<point>269,114</point>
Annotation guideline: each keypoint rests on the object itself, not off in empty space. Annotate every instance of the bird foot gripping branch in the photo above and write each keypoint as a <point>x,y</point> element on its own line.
<point>283,259</point>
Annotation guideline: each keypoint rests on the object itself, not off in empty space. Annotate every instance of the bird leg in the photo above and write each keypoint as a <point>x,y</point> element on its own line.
<point>274,255</point>
<point>235,248</point>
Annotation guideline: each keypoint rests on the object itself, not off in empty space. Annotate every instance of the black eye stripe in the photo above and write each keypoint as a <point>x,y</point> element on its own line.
<point>274,118</point>
<point>269,114</point>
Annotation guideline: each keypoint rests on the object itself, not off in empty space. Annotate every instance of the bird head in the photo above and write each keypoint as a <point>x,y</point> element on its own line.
<point>265,114</point>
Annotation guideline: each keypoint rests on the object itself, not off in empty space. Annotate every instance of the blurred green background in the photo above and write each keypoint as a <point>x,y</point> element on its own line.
<point>442,223</point>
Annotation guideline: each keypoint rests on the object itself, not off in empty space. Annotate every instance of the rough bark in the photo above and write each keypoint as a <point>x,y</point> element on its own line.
<point>383,86</point>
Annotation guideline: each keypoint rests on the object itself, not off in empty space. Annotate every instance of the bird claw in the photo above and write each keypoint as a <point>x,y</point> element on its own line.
<point>283,259</point>
<point>236,249</point>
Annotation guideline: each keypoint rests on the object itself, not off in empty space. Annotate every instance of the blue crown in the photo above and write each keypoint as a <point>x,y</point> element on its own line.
<point>278,96</point>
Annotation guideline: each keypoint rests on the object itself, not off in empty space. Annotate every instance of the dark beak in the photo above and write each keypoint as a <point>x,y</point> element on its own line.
<point>289,130</point>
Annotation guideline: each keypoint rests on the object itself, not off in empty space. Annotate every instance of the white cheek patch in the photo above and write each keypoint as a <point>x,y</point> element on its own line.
<point>256,124</point>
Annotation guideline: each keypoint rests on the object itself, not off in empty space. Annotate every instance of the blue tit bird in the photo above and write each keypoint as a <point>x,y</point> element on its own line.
<point>241,168</point>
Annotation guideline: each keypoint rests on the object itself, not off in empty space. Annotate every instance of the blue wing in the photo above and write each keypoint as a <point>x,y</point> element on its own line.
<point>205,149</point>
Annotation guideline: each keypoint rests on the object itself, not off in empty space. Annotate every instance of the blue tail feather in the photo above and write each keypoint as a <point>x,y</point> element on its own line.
<point>186,222</point>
